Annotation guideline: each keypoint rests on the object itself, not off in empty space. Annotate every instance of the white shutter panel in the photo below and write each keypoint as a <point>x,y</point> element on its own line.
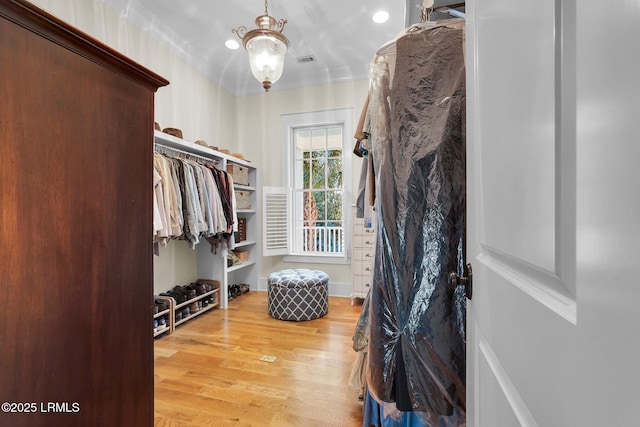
<point>276,219</point>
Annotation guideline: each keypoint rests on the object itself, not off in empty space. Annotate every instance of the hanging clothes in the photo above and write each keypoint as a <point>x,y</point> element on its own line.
<point>417,321</point>
<point>193,201</point>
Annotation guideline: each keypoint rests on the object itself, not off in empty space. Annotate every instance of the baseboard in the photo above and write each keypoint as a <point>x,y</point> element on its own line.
<point>335,289</point>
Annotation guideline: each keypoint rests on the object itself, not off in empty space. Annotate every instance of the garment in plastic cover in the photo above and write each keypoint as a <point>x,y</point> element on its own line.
<point>417,330</point>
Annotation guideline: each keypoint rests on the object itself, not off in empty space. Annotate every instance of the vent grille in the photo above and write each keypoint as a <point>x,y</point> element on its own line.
<point>306,59</point>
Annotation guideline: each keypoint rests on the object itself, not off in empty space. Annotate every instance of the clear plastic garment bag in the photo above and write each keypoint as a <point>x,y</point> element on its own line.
<point>416,367</point>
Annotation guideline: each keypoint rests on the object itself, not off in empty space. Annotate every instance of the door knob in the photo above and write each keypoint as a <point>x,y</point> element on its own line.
<point>466,280</point>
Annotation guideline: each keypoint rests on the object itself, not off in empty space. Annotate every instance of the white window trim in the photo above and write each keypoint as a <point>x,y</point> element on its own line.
<point>343,116</point>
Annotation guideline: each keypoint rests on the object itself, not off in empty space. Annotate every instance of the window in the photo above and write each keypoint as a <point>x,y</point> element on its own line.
<point>318,191</point>
<point>307,220</point>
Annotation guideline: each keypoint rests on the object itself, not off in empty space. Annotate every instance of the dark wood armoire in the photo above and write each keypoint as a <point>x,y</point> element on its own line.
<point>76,147</point>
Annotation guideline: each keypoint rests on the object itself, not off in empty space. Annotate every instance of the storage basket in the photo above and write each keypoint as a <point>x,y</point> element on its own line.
<point>243,200</point>
<point>243,256</point>
<point>240,174</point>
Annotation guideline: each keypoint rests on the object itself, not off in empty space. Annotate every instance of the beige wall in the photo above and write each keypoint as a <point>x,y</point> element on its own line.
<point>260,132</point>
<point>190,102</point>
<point>246,124</point>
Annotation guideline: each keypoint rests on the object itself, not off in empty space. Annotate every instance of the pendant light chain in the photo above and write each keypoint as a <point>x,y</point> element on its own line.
<point>266,11</point>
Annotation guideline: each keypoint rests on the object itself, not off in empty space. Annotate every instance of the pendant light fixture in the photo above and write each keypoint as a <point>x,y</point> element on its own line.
<point>266,46</point>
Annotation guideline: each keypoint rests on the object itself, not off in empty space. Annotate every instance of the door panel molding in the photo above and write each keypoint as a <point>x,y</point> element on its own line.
<point>566,141</point>
<point>518,146</point>
<point>509,390</point>
<point>544,287</point>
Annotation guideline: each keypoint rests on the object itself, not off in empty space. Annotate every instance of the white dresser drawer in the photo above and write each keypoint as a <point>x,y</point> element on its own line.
<point>358,241</point>
<point>366,269</point>
<point>369,240</point>
<point>362,284</point>
<point>362,261</point>
<point>368,254</point>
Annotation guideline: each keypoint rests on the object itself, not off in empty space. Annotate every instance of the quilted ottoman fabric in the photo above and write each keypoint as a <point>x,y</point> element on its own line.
<point>298,294</point>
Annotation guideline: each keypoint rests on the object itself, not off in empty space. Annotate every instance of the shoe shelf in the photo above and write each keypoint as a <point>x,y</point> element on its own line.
<point>168,312</point>
<point>161,331</point>
<point>192,315</point>
<point>175,312</point>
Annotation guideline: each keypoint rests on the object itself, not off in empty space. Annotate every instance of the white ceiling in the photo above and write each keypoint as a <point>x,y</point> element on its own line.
<point>339,34</point>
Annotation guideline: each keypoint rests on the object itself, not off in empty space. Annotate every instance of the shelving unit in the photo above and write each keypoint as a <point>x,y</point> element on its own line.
<point>214,266</point>
<point>174,307</point>
<point>193,315</point>
<point>247,271</point>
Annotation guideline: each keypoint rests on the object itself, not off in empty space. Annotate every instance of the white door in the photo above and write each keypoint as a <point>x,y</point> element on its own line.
<point>554,213</point>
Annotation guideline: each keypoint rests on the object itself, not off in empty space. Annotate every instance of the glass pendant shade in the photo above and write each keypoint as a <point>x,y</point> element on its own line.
<point>266,56</point>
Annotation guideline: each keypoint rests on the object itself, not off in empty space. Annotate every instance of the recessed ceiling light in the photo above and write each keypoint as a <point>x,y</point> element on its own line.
<point>381,16</point>
<point>232,44</point>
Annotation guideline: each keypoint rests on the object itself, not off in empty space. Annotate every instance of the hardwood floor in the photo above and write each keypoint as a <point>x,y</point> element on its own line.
<point>208,372</point>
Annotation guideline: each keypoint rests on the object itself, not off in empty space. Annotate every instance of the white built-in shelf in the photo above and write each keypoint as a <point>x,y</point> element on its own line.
<point>191,147</point>
<point>244,243</point>
<point>240,265</point>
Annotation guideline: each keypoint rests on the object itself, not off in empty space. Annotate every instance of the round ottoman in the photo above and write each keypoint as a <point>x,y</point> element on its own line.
<point>298,294</point>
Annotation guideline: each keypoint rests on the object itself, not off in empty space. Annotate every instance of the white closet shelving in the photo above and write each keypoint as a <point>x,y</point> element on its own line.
<point>213,266</point>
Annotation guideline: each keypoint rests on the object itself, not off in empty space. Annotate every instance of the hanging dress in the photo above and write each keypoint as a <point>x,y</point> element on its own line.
<point>417,330</point>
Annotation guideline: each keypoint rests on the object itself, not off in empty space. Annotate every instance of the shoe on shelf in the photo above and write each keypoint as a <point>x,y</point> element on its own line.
<point>191,291</point>
<point>182,292</point>
<point>194,307</point>
<point>201,289</point>
<point>234,290</point>
<point>161,305</point>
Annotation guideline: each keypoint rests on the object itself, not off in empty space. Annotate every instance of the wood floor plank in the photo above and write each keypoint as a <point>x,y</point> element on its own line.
<point>209,373</point>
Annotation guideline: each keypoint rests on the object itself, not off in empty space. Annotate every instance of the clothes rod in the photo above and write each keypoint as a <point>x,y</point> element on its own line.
<point>175,152</point>
<point>446,8</point>
<point>452,12</point>
<point>450,6</point>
